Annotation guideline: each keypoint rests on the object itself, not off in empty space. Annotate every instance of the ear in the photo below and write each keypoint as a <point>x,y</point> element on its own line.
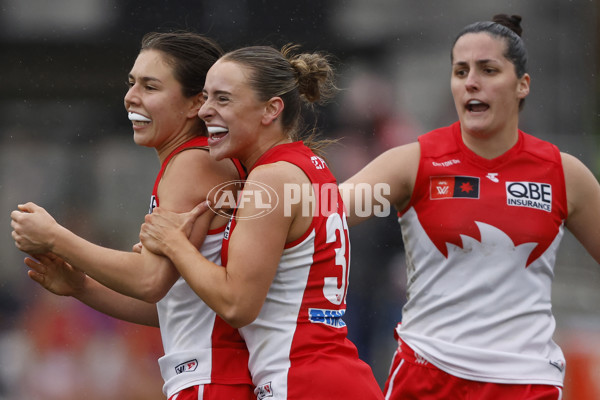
<point>523,88</point>
<point>195,104</point>
<point>273,108</point>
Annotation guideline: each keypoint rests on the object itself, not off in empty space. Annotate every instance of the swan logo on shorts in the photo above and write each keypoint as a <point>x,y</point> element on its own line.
<point>187,366</point>
<point>263,391</point>
<point>529,194</point>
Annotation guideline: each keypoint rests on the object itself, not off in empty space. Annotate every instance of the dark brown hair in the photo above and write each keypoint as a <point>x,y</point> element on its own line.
<point>509,29</point>
<point>189,54</point>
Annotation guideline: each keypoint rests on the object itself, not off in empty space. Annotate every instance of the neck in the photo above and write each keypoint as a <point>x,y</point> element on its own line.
<point>168,147</point>
<point>490,145</point>
<point>261,149</point>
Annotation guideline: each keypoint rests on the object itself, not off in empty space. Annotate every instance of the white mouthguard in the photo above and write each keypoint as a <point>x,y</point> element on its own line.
<point>138,117</point>
<point>217,129</point>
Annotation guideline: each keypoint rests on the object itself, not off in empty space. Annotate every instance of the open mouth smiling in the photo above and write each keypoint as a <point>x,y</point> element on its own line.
<point>216,134</point>
<point>138,119</point>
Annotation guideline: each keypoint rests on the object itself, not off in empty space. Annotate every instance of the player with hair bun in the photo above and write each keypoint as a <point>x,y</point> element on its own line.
<point>286,272</point>
<point>482,207</point>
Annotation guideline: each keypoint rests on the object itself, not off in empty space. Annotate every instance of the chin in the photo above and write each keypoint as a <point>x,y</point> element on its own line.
<point>143,141</point>
<point>218,153</point>
<point>474,126</point>
<point>138,140</point>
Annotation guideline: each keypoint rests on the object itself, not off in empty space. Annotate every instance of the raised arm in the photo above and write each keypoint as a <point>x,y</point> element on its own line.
<point>583,199</point>
<point>144,275</point>
<point>133,274</point>
<point>386,181</point>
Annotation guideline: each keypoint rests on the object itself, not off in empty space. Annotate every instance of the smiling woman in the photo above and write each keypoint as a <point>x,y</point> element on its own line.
<point>204,357</point>
<point>482,207</point>
<point>286,274</point>
<point>155,95</point>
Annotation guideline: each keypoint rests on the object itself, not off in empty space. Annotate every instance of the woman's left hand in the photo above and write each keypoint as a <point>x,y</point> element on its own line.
<point>163,228</point>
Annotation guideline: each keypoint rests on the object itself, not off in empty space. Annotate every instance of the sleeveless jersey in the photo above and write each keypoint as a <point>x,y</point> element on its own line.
<point>481,238</point>
<point>200,348</point>
<point>298,345</point>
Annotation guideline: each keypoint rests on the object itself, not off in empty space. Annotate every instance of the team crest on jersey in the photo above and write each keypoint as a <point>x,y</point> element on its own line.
<point>152,204</point>
<point>187,366</point>
<point>452,187</point>
<point>529,194</point>
<point>263,391</point>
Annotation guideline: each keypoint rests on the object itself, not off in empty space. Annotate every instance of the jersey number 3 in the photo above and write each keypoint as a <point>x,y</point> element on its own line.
<point>337,231</point>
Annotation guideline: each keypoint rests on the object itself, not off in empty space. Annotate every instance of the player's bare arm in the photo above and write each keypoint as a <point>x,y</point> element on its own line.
<point>143,276</point>
<point>60,278</point>
<point>396,169</point>
<point>237,292</point>
<point>583,198</point>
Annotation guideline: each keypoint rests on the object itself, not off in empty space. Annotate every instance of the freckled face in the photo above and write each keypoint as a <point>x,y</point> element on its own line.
<point>232,111</point>
<point>155,97</point>
<point>484,85</point>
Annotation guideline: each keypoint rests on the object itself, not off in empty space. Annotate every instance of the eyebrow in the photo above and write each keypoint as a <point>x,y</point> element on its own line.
<point>217,92</point>
<point>478,62</point>
<point>144,79</point>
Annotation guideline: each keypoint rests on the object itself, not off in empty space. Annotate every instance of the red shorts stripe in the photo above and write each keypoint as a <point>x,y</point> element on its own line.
<point>216,391</point>
<point>411,377</point>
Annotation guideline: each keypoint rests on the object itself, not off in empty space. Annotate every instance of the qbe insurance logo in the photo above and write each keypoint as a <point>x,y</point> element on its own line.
<point>313,199</point>
<point>529,194</point>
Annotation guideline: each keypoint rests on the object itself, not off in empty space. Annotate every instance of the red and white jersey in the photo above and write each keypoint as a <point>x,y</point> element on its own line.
<point>298,345</point>
<point>481,239</point>
<point>200,348</point>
